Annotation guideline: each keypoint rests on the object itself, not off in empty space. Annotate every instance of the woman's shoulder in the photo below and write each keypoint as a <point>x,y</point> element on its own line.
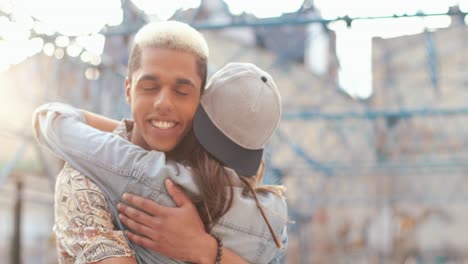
<point>244,229</point>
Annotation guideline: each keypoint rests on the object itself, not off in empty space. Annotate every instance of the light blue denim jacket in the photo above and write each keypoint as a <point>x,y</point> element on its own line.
<point>118,166</point>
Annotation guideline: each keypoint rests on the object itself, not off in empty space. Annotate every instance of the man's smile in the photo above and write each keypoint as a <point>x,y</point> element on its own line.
<point>163,124</point>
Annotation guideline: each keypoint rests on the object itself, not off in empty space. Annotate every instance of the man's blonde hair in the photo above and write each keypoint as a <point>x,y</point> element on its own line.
<point>171,35</point>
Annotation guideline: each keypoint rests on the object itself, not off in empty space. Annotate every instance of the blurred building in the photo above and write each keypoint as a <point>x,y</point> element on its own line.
<point>425,75</point>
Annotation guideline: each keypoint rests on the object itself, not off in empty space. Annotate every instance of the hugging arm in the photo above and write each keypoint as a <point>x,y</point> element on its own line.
<point>100,122</point>
<point>159,228</point>
<point>62,130</point>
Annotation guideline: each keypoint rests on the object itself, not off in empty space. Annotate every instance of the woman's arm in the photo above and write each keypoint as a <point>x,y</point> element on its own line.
<point>116,261</point>
<point>62,129</point>
<point>106,158</point>
<point>100,122</point>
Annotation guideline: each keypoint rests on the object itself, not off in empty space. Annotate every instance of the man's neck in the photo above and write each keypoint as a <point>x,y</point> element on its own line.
<point>179,153</point>
<point>136,138</point>
<point>183,151</point>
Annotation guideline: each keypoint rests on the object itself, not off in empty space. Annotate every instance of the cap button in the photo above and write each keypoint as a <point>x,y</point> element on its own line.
<point>264,79</point>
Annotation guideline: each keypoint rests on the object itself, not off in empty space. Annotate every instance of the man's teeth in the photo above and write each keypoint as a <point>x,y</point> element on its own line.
<point>163,124</point>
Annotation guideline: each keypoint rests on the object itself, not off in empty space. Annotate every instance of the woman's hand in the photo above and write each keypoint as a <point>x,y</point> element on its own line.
<point>100,122</point>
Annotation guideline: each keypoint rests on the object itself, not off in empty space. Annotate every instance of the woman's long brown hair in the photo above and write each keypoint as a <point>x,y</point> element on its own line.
<point>214,199</point>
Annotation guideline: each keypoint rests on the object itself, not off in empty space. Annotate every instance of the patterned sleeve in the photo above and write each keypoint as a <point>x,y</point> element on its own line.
<point>83,223</point>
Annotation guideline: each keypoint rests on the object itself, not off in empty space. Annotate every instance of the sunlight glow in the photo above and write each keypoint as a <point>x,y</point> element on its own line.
<point>263,8</point>
<point>62,41</point>
<point>164,9</point>
<point>65,19</point>
<point>36,45</point>
<point>357,8</point>
<point>354,45</point>
<point>43,28</point>
<point>4,67</point>
<point>13,31</point>
<point>49,17</point>
<point>92,43</point>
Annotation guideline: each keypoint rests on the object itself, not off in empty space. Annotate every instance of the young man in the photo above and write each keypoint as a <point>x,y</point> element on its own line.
<point>166,76</point>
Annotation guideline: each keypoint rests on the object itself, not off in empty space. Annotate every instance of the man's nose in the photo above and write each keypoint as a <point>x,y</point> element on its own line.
<point>163,101</point>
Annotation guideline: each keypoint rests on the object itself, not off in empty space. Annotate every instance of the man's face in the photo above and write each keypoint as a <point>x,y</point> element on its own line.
<point>164,93</point>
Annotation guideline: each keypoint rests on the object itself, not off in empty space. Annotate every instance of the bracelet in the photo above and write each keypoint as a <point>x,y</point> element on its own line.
<point>219,253</point>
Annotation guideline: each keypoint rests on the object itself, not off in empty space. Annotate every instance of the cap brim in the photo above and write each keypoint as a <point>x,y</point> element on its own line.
<point>244,162</point>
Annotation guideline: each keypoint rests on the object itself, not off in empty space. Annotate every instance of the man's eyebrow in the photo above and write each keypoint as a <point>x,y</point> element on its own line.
<point>182,81</point>
<point>148,77</point>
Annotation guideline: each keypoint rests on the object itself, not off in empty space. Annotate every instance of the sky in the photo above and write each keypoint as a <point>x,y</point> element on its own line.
<point>66,17</point>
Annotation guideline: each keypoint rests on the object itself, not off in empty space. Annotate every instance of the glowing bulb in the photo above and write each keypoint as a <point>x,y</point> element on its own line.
<point>49,49</point>
<point>96,60</point>
<point>74,50</point>
<point>62,41</point>
<point>92,74</point>
<point>59,53</point>
<point>85,56</point>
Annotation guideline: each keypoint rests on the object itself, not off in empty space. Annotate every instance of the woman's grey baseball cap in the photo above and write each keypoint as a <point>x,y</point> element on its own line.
<point>238,113</point>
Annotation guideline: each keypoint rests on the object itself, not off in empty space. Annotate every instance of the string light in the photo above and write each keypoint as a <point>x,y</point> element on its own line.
<point>74,50</point>
<point>92,74</point>
<point>62,41</point>
<point>49,49</point>
<point>59,53</point>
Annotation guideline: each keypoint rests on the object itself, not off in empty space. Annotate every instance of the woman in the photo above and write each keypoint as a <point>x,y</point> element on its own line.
<point>237,115</point>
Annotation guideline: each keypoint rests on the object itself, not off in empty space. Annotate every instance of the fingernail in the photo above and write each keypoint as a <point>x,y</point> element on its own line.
<point>125,196</point>
<point>119,206</point>
<point>169,182</point>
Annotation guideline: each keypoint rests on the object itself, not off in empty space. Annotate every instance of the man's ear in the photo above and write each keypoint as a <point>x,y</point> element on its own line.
<point>128,91</point>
